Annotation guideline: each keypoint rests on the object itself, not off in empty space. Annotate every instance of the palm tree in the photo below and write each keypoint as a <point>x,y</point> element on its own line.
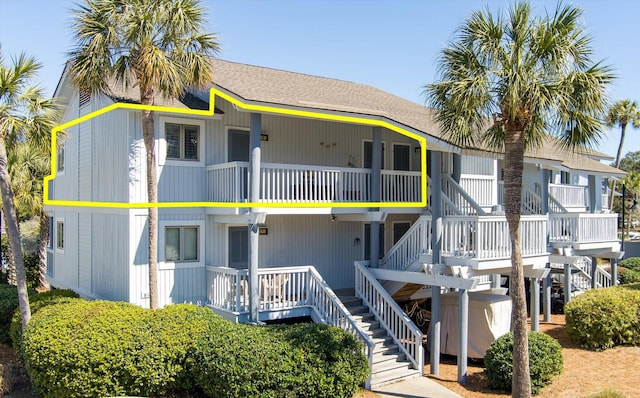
<point>622,113</point>
<point>23,116</point>
<point>158,46</point>
<point>28,165</point>
<point>505,82</point>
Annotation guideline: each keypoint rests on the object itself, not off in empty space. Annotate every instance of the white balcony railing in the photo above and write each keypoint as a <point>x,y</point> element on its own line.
<point>416,241</point>
<point>283,288</point>
<point>487,237</point>
<point>570,195</point>
<point>228,182</point>
<point>583,227</point>
<point>480,187</point>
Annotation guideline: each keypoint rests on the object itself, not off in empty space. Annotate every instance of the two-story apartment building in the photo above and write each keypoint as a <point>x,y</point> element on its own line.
<point>305,248</point>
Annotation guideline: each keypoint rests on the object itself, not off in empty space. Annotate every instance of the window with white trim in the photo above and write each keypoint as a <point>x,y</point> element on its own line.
<point>182,141</point>
<point>181,244</point>
<point>60,234</point>
<point>60,158</point>
<point>50,227</point>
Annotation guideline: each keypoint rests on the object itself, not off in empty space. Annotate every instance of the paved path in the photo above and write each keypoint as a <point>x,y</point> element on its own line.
<point>418,387</point>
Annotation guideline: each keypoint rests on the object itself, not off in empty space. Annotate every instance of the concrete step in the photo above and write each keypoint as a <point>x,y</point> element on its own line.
<point>385,348</point>
<point>350,301</point>
<point>393,375</point>
<point>395,356</point>
<point>368,325</point>
<point>377,333</point>
<point>364,318</point>
<point>358,309</point>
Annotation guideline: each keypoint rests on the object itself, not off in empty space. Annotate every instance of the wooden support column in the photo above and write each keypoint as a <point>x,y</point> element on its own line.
<point>457,167</point>
<point>545,178</point>
<point>594,270</point>
<point>376,175</point>
<point>546,297</point>
<point>534,302</point>
<point>567,283</point>
<point>254,196</point>
<point>463,330</point>
<point>595,194</point>
<point>436,244</point>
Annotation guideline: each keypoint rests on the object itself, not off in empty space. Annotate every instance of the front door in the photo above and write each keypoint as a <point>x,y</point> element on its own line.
<point>238,247</point>
<point>401,157</point>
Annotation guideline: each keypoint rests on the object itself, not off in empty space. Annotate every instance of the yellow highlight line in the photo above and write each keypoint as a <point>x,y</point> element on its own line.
<point>249,107</point>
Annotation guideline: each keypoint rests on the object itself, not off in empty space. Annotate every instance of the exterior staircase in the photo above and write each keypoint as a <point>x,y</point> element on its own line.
<point>389,364</point>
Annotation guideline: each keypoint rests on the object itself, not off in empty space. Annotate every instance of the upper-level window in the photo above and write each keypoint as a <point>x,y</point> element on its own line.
<point>182,141</point>
<point>60,158</point>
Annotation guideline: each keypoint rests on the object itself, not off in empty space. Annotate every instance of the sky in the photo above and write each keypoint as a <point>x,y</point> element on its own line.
<point>390,44</point>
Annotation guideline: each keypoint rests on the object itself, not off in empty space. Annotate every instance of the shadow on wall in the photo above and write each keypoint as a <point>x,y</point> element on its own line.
<point>631,248</point>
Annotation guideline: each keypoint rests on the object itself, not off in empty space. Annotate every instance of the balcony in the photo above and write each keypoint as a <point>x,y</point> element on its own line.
<point>289,183</point>
<point>583,230</point>
<point>483,241</point>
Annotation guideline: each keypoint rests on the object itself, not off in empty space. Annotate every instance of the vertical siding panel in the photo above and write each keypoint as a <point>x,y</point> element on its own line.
<point>84,251</point>
<point>109,258</point>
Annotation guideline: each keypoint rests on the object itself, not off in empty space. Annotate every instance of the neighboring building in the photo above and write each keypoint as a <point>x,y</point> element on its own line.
<point>204,251</point>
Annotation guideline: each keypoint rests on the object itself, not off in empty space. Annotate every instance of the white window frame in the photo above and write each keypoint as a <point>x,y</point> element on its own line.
<point>58,221</point>
<point>162,262</point>
<point>60,159</point>
<point>162,147</point>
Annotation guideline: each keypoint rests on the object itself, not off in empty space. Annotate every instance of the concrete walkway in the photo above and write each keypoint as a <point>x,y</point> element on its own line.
<point>418,387</point>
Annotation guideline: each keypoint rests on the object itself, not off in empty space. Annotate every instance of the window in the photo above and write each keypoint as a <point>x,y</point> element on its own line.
<point>60,158</point>
<point>181,244</point>
<point>182,141</point>
<point>50,226</point>
<point>60,234</point>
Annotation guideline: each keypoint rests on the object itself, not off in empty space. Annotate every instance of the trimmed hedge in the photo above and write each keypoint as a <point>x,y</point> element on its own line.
<point>603,318</point>
<point>8,305</point>
<point>303,360</point>
<point>632,263</point>
<point>80,348</point>
<point>100,348</point>
<point>36,302</point>
<point>629,276</point>
<point>545,361</point>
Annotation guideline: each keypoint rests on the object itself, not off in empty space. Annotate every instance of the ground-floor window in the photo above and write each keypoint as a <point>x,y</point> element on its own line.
<point>238,247</point>
<point>60,234</point>
<point>181,244</point>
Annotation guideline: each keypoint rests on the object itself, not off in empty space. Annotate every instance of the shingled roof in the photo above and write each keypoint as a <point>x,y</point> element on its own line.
<point>279,87</point>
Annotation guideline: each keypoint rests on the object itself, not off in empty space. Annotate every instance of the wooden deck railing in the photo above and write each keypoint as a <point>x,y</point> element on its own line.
<point>283,288</point>
<point>487,237</point>
<point>570,195</point>
<point>399,326</point>
<point>583,227</point>
<point>416,241</point>
<point>481,188</point>
<point>228,182</point>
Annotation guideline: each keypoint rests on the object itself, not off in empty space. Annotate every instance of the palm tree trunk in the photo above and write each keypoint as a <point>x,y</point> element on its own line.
<point>514,160</point>
<point>13,235</point>
<point>623,129</point>
<point>42,251</point>
<point>148,134</point>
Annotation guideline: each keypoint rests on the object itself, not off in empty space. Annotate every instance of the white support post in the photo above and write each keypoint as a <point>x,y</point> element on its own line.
<point>567,283</point>
<point>436,245</point>
<point>463,328</point>
<point>534,300</point>
<point>254,196</point>
<point>546,297</point>
<point>376,175</point>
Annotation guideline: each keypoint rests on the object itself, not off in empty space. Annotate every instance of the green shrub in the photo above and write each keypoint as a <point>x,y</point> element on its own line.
<point>603,318</point>
<point>630,276</point>
<point>278,361</point>
<point>81,348</point>
<point>545,361</point>
<point>8,305</point>
<point>608,393</point>
<point>36,302</point>
<point>632,263</point>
